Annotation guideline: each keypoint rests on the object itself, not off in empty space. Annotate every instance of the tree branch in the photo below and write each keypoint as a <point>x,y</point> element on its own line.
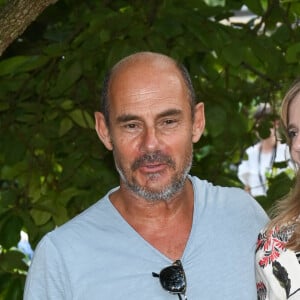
<point>16,16</point>
<point>260,74</point>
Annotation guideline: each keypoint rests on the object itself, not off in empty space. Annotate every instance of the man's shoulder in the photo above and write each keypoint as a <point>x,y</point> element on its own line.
<point>223,196</point>
<point>207,186</point>
<point>231,204</point>
<point>85,224</point>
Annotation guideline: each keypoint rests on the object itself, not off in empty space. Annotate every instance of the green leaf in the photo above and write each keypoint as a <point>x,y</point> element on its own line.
<point>19,64</point>
<point>15,290</point>
<point>61,215</point>
<point>203,152</point>
<point>282,33</point>
<point>280,165</point>
<point>40,217</point>
<point>55,49</point>
<point>12,260</point>
<point>104,35</point>
<point>293,53</point>
<point>234,54</point>
<point>279,186</point>
<point>82,118</point>
<point>295,7</point>
<point>10,231</point>
<point>4,106</point>
<point>5,279</point>
<point>9,172</point>
<point>67,104</point>
<point>67,194</point>
<point>8,197</point>
<point>254,6</point>
<point>67,78</point>
<point>65,125</point>
<point>265,202</point>
<point>216,118</point>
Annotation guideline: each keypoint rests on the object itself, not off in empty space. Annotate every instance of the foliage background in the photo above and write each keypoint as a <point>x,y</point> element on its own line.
<point>52,165</point>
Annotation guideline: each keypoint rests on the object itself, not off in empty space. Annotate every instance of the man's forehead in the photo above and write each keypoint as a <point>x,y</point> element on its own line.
<point>143,61</point>
<point>147,88</point>
<point>144,57</point>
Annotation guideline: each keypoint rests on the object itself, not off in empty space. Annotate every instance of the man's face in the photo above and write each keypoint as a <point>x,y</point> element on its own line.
<point>151,130</point>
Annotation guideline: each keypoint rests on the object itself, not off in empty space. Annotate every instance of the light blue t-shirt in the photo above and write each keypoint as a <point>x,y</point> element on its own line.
<point>98,255</point>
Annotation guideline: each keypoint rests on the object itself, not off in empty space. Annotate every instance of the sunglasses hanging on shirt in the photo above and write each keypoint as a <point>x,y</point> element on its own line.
<point>173,280</point>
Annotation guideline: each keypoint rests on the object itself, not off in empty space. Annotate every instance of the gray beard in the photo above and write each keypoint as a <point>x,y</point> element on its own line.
<point>166,193</point>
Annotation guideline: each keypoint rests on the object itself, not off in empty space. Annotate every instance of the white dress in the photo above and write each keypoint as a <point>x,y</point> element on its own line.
<point>277,268</point>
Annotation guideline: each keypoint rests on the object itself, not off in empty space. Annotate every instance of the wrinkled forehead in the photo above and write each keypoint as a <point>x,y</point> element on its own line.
<point>144,74</point>
<point>144,58</point>
<point>136,65</point>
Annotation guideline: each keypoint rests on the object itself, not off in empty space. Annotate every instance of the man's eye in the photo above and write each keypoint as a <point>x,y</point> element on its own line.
<point>130,126</point>
<point>170,121</point>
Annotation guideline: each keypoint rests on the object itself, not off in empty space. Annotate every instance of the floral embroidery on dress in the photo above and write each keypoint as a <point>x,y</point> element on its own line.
<point>298,256</point>
<point>282,276</point>
<point>269,249</point>
<point>273,244</point>
<point>261,291</point>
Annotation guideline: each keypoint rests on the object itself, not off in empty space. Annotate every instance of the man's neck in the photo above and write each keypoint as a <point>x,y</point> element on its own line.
<point>166,225</point>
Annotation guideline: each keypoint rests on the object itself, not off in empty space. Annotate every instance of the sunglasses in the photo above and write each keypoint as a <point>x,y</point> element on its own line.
<point>172,279</point>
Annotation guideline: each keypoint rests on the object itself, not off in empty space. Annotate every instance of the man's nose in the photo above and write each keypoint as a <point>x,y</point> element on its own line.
<point>150,140</point>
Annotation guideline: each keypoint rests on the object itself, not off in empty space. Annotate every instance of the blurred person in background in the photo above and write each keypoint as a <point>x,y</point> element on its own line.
<point>254,169</point>
<point>278,246</point>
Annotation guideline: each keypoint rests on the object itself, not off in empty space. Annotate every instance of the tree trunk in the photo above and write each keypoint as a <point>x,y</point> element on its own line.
<point>16,16</point>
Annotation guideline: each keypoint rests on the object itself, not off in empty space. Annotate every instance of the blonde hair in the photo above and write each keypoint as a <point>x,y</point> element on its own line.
<point>286,211</point>
<point>290,95</point>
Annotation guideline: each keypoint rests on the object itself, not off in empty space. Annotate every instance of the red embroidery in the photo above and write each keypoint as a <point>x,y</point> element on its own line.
<point>261,290</point>
<point>272,244</point>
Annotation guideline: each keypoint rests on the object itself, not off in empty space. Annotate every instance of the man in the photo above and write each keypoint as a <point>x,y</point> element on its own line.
<point>162,233</point>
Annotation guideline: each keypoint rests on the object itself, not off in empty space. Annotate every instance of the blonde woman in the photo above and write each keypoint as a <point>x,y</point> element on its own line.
<point>278,246</point>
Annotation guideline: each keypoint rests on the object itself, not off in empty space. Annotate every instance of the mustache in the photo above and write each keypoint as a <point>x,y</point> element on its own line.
<point>153,157</point>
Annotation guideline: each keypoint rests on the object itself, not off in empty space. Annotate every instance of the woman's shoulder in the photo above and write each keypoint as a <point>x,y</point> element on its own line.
<point>277,267</point>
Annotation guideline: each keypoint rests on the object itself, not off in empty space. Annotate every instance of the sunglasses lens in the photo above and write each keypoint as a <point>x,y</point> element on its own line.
<point>173,279</point>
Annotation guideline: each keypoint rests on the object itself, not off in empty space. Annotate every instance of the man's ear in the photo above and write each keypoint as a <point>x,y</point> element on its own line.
<point>102,130</point>
<point>199,122</point>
